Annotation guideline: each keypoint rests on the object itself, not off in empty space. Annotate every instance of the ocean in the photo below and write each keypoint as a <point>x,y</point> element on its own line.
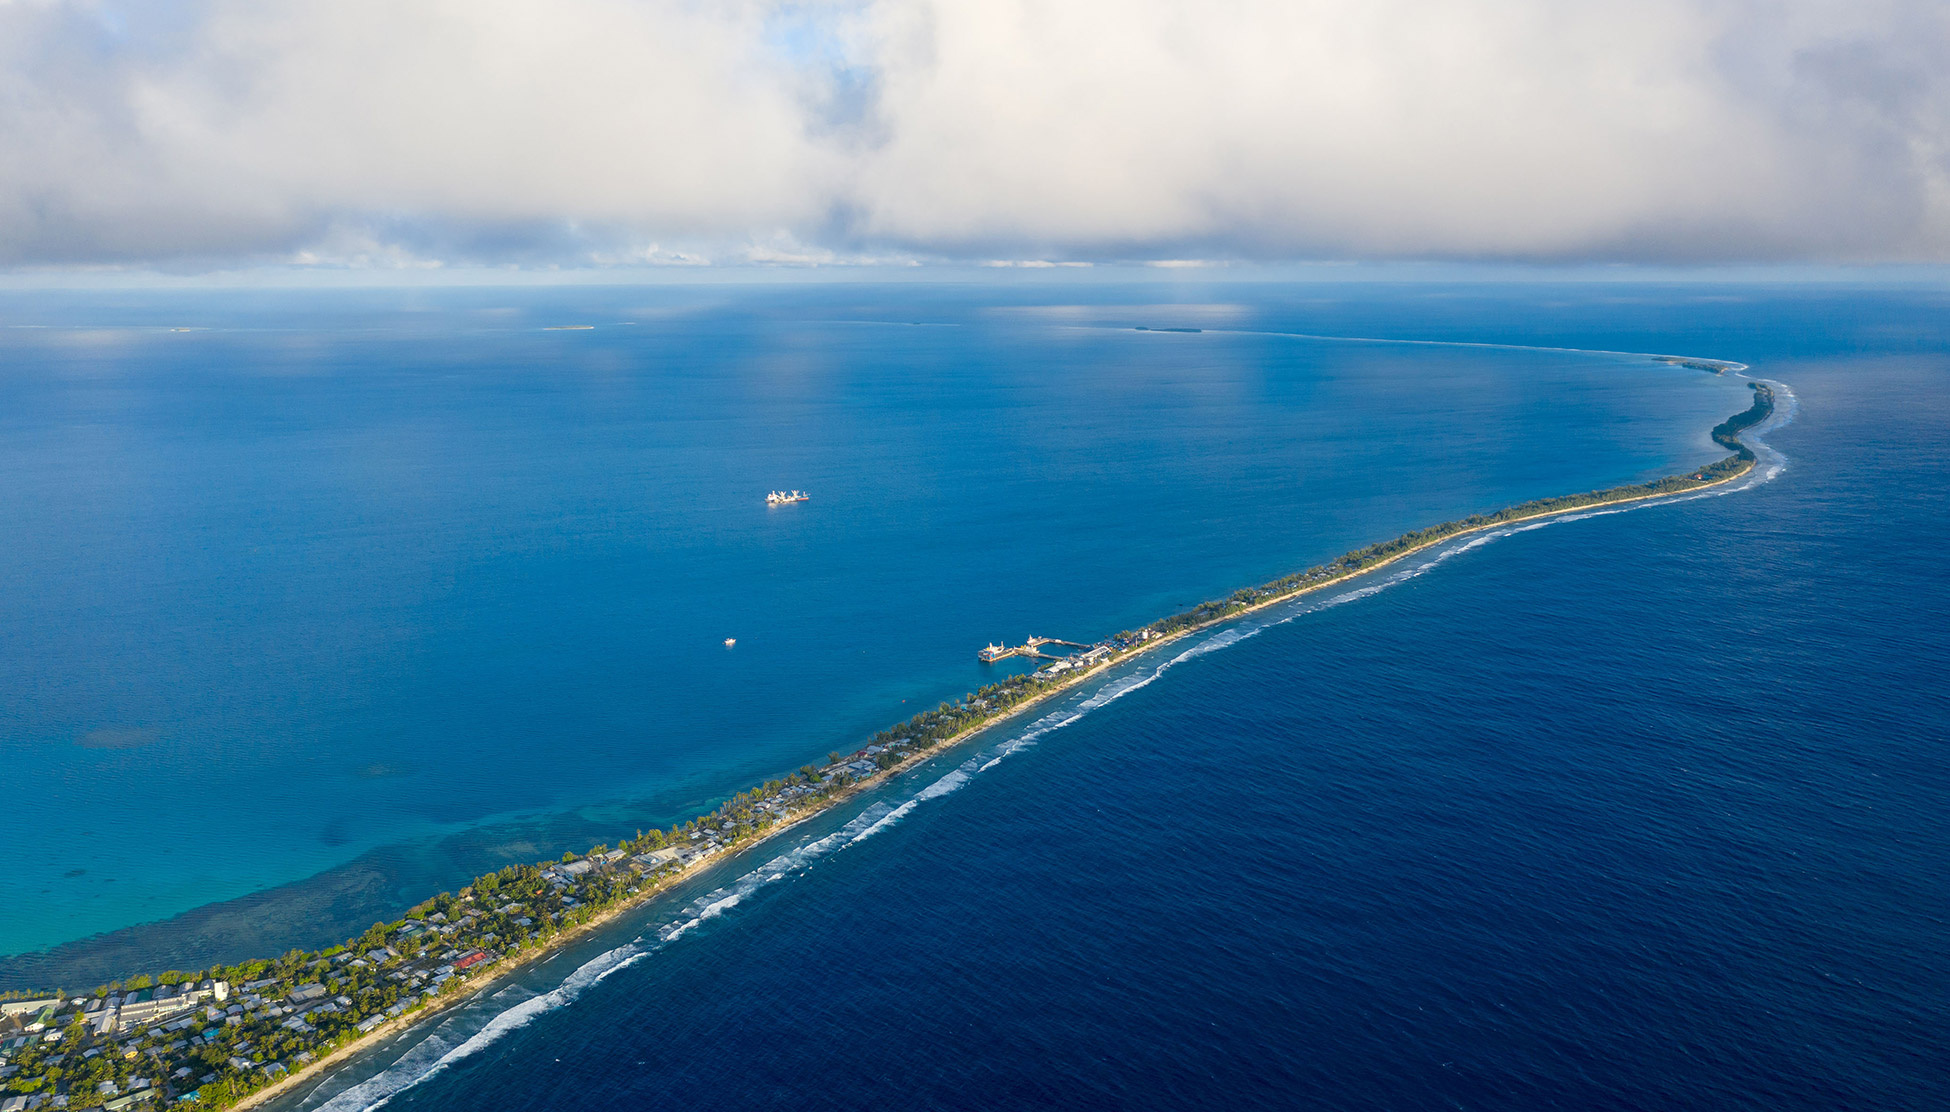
<point>1636,810</point>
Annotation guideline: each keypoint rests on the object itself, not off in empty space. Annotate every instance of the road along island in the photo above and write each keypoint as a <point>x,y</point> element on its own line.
<point>234,1035</point>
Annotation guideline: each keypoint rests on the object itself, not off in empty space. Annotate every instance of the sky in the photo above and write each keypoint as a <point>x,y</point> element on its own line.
<point>412,135</point>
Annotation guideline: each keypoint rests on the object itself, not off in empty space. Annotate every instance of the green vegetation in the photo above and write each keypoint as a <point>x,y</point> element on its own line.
<point>1713,365</point>
<point>240,1028</point>
<point>217,1035</point>
<point>1727,433</point>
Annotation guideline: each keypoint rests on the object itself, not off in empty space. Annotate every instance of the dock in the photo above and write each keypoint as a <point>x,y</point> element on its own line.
<point>1032,648</point>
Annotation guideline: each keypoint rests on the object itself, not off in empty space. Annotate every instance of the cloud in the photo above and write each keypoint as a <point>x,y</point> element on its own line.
<point>486,129</point>
<point>605,132</point>
<point>1662,128</point>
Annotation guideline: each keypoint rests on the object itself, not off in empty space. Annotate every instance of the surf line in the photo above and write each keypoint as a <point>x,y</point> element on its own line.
<point>1717,366</point>
<point>445,1045</point>
<point>1774,404</point>
<point>754,817</point>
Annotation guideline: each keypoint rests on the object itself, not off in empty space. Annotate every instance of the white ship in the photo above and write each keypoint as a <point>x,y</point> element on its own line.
<point>786,497</point>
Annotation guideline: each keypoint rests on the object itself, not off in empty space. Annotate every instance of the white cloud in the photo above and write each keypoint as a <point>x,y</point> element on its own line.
<point>605,131</point>
<point>479,127</point>
<point>1665,128</point>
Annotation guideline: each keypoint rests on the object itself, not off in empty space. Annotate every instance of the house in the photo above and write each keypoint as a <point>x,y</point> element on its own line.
<point>12,1008</point>
<point>574,868</point>
<point>143,1011</point>
<point>305,994</point>
<point>680,855</point>
<point>103,1022</point>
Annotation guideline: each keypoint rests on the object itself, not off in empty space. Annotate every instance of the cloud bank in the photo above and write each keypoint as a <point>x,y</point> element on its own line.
<point>594,132</point>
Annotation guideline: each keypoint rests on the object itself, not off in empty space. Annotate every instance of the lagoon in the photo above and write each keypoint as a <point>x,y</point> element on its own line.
<point>337,600</point>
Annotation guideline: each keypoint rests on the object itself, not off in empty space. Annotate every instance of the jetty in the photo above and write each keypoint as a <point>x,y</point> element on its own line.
<point>1031,648</point>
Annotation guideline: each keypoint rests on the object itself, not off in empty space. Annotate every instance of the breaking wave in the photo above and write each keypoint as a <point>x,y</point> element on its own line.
<point>513,1007</point>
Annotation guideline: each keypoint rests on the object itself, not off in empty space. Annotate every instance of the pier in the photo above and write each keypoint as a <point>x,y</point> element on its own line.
<point>1032,648</point>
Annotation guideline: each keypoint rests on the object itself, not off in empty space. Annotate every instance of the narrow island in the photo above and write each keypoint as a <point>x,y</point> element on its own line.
<point>234,1035</point>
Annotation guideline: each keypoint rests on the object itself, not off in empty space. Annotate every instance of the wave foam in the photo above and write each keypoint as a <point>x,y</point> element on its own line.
<point>435,1054</point>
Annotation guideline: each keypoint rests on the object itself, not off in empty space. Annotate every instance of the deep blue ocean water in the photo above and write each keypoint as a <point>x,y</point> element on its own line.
<point>1642,810</point>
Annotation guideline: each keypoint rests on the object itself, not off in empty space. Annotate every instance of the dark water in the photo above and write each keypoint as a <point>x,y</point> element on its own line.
<point>1644,810</point>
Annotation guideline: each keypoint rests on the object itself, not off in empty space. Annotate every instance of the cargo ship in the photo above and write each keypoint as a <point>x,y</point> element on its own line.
<point>786,497</point>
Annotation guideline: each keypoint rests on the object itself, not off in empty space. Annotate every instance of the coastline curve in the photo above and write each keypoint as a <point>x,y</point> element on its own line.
<point>410,1071</point>
<point>1001,711</point>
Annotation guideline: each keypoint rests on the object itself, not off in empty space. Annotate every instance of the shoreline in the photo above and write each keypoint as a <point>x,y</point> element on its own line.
<point>502,970</point>
<point>915,759</point>
<point>908,745</point>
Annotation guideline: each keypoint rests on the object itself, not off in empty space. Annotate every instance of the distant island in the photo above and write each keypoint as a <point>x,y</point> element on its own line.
<point>233,1035</point>
<point>1717,366</point>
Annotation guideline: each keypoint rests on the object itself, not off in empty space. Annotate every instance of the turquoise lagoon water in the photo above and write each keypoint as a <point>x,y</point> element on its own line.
<point>318,603</point>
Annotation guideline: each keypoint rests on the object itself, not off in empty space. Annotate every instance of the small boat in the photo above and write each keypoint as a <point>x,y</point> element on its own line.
<point>786,497</point>
<point>730,641</point>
